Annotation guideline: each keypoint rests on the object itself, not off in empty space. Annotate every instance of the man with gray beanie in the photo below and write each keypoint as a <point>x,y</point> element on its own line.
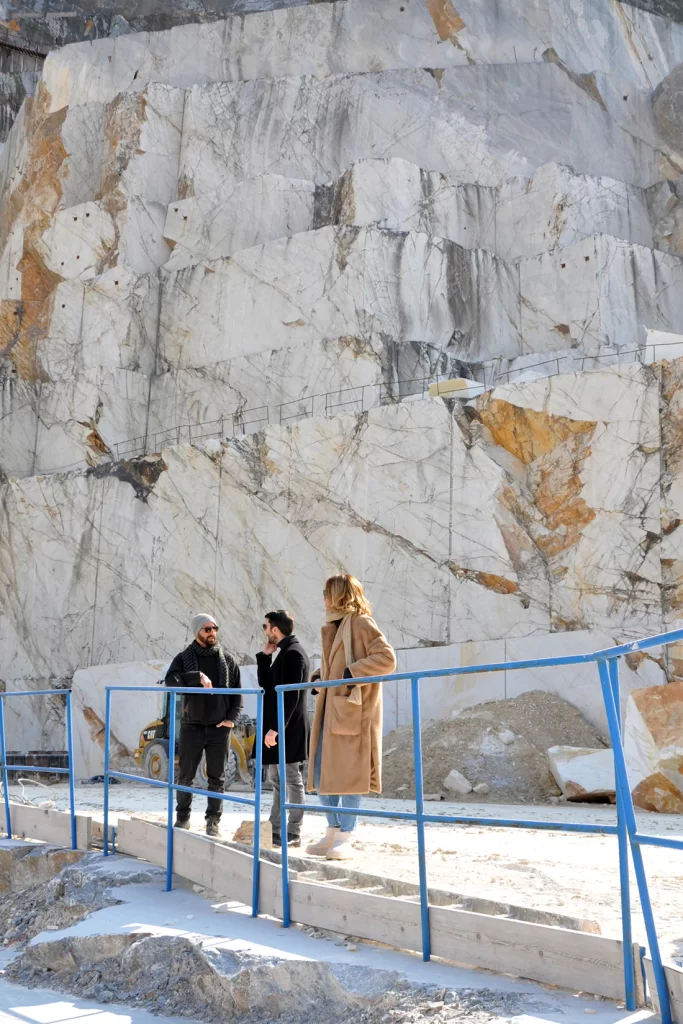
<point>205,721</point>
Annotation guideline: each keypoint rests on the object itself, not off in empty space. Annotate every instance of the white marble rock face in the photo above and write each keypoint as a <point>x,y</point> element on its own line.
<point>597,292</point>
<point>237,216</point>
<point>430,512</point>
<point>108,321</point>
<point>522,217</point>
<point>359,36</point>
<point>56,426</point>
<point>482,124</point>
<point>129,713</point>
<point>324,284</point>
<point>272,230</point>
<point>321,378</point>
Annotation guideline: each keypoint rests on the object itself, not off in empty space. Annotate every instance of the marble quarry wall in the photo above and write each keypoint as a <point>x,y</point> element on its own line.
<point>232,257</point>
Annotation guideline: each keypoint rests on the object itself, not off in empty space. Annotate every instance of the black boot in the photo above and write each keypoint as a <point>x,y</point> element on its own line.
<point>213,828</point>
<point>181,822</point>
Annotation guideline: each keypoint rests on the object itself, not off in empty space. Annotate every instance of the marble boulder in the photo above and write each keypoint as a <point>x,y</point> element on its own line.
<point>653,741</point>
<point>584,776</point>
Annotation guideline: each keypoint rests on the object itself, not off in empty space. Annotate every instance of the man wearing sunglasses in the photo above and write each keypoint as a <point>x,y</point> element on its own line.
<point>283,660</point>
<point>205,721</point>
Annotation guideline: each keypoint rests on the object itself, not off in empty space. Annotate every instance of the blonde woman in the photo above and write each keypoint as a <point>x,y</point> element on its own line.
<point>345,756</point>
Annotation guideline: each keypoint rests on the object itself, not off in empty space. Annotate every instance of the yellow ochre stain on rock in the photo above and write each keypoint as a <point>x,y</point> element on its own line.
<point>446,19</point>
<point>553,448</point>
<point>526,433</point>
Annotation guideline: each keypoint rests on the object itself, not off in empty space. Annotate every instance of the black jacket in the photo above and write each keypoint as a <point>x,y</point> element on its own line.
<point>290,666</point>
<point>204,710</point>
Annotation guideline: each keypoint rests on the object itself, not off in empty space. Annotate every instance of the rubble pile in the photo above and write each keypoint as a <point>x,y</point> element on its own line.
<point>496,750</point>
<point>76,891</point>
<point>181,977</point>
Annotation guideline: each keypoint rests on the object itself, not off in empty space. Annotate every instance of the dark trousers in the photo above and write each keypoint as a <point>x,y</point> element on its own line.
<point>196,740</point>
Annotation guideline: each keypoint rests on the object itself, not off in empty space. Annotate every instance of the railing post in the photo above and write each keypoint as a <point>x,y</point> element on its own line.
<point>171,782</point>
<point>282,766</point>
<point>626,929</point>
<point>258,769</point>
<point>70,752</point>
<point>419,808</point>
<point>3,755</point>
<point>623,791</point>
<point>107,738</point>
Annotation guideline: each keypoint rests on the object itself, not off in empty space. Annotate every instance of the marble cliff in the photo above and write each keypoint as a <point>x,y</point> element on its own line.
<point>232,257</point>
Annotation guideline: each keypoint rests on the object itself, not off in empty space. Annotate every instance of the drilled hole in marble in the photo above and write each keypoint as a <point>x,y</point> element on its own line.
<point>78,257</point>
<point>587,259</point>
<point>625,97</point>
<point>563,265</point>
<point>87,214</point>
<point>116,283</point>
<point>185,218</point>
<point>75,218</point>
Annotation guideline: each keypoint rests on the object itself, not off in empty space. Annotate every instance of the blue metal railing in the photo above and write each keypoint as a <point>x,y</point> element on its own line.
<point>172,786</point>
<point>38,768</point>
<point>625,829</point>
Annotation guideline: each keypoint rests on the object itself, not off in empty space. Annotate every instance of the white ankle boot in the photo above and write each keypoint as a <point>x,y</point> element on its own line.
<point>320,848</point>
<point>341,847</point>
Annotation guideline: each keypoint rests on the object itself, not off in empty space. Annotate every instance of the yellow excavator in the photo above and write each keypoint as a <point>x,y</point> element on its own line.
<point>152,753</point>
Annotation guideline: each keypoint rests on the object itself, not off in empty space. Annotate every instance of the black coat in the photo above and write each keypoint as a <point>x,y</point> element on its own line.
<point>290,666</point>
<point>203,710</point>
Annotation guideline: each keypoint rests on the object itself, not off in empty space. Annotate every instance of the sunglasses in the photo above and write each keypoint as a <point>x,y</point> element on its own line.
<point>210,629</point>
<point>265,626</point>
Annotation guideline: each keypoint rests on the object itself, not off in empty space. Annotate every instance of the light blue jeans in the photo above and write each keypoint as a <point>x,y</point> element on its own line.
<point>344,822</point>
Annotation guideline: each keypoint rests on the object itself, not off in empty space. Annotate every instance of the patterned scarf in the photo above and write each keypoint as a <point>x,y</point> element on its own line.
<point>195,651</point>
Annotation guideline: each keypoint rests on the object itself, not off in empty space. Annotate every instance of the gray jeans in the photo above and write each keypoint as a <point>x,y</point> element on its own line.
<point>296,794</point>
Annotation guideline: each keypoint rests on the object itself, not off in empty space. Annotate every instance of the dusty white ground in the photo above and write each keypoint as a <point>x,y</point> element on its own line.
<point>570,873</point>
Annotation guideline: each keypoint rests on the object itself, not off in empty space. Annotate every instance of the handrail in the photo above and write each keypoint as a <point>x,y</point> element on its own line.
<point>171,786</point>
<point>5,768</point>
<point>234,424</point>
<point>628,836</point>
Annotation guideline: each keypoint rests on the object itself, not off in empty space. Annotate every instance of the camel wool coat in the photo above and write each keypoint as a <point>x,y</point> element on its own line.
<point>351,733</point>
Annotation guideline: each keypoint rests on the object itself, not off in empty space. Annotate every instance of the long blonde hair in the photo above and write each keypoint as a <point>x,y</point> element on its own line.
<point>345,595</point>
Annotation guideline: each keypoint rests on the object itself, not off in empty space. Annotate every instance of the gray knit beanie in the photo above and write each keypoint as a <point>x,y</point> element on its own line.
<point>199,621</point>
